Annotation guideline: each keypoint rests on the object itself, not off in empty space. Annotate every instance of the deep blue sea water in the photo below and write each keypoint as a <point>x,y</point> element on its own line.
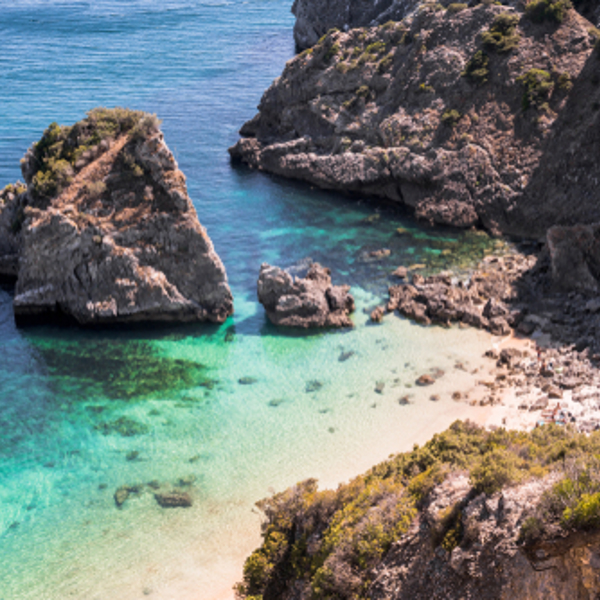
<point>82,413</point>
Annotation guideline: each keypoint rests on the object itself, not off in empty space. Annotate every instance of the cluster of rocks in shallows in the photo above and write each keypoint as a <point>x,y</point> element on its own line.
<point>481,300</point>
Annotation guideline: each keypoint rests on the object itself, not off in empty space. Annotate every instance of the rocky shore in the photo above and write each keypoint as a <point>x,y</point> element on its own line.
<point>104,230</point>
<point>547,363</point>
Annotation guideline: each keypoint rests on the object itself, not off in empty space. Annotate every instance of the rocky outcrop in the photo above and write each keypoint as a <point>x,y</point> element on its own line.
<point>488,564</point>
<point>575,256</point>
<point>481,300</point>
<point>12,199</point>
<point>109,233</point>
<point>309,301</point>
<point>314,18</point>
<point>455,113</point>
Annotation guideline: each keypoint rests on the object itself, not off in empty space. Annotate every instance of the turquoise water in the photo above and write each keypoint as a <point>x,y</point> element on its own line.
<point>229,413</point>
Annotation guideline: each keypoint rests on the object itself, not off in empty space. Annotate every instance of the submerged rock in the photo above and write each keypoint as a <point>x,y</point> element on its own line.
<point>173,499</point>
<point>108,232</point>
<point>309,301</point>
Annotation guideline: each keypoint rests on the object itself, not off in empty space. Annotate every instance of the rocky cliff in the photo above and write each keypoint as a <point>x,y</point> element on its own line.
<point>314,18</point>
<point>472,514</point>
<point>466,114</point>
<point>105,231</point>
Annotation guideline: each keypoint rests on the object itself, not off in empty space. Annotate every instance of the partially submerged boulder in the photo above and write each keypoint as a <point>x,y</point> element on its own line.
<point>309,301</point>
<point>107,231</point>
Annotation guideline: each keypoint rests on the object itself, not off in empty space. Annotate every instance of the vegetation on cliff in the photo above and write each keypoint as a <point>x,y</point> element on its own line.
<point>64,150</point>
<point>327,543</point>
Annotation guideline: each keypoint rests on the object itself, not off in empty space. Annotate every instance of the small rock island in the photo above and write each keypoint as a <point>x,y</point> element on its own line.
<point>309,301</point>
<point>103,230</point>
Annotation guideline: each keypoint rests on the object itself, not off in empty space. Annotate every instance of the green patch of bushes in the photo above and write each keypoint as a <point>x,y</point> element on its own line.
<point>451,117</point>
<point>385,63</point>
<point>501,36</point>
<point>564,82</point>
<point>56,154</point>
<point>332,51</point>
<point>477,69</point>
<point>573,503</point>
<point>456,7</point>
<point>548,10</point>
<point>375,48</point>
<point>538,86</point>
<point>363,91</point>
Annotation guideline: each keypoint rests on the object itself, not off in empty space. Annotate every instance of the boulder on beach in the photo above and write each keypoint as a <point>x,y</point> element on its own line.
<point>309,301</point>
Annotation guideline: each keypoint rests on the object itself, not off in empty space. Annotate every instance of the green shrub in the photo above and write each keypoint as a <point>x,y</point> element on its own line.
<point>59,149</point>
<point>332,51</point>
<point>501,36</point>
<point>451,117</point>
<point>538,86</point>
<point>548,10</point>
<point>375,48</point>
<point>363,91</point>
<point>456,7</point>
<point>385,63</point>
<point>497,469</point>
<point>477,69</point>
<point>564,82</point>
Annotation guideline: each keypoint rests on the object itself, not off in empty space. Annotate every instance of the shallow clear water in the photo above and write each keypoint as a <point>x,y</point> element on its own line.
<point>82,412</point>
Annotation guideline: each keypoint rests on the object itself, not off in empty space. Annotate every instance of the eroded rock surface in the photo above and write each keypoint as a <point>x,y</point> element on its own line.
<point>456,113</point>
<point>108,232</point>
<point>309,301</point>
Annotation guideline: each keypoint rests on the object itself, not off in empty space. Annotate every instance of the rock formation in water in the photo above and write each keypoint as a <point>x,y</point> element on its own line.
<point>105,231</point>
<point>467,114</point>
<point>493,515</point>
<point>309,301</point>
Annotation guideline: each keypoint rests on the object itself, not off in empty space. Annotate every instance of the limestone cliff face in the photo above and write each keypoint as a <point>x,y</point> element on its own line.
<point>456,113</point>
<point>109,233</point>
